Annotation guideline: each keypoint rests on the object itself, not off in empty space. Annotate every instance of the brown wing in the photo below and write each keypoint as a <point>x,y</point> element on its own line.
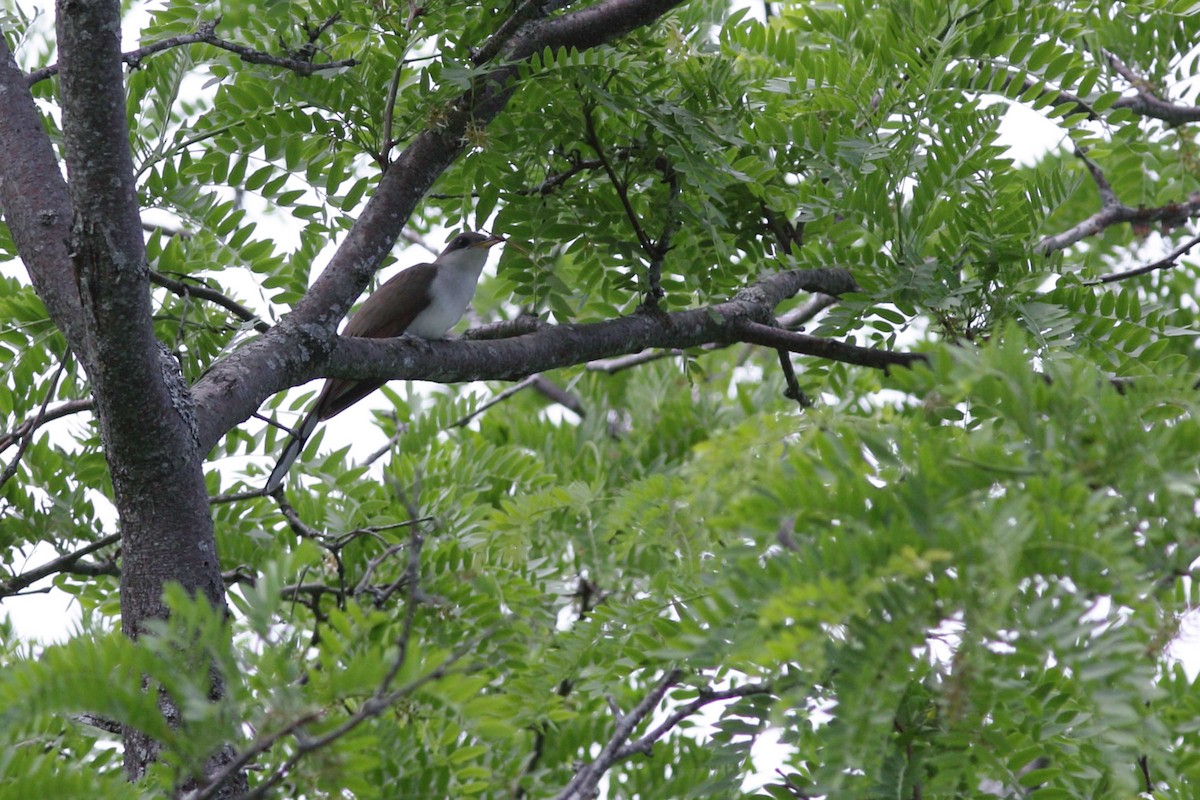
<point>383,315</point>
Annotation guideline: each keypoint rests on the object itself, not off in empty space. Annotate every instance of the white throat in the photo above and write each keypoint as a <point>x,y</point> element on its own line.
<point>450,292</point>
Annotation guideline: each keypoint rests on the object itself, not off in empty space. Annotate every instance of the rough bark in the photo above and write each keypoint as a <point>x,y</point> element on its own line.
<point>144,407</point>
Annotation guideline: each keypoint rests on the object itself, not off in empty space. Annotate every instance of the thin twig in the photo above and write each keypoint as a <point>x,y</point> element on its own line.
<point>388,113</point>
<point>584,785</point>
<point>1163,263</point>
<point>706,697</point>
<point>205,34</point>
<point>365,583</point>
<point>793,391</point>
<point>555,393</point>
<point>663,245</point>
<point>757,333</point>
<point>60,564</point>
<point>299,526</point>
<point>31,424</point>
<point>612,366</point>
<point>258,747</point>
<point>13,465</point>
<point>412,578</point>
<point>495,399</point>
<point>593,140</point>
<point>372,707</point>
<point>798,317</point>
<point>1058,97</point>
<point>413,238</point>
<point>1108,197</point>
<point>401,429</point>
<point>235,497</point>
<point>213,296</point>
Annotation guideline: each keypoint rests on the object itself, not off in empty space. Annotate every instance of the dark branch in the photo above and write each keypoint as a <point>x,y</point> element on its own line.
<point>586,781</point>
<point>662,245</point>
<point>30,425</point>
<point>566,345</point>
<point>1146,102</point>
<point>11,469</point>
<point>556,346</point>
<point>804,344</point>
<point>707,697</point>
<point>593,140</point>
<point>1171,215</point>
<point>61,564</point>
<point>375,705</point>
<point>213,296</point>
<point>1108,198</point>
<point>793,391</point>
<point>206,35</point>
<point>1169,260</point>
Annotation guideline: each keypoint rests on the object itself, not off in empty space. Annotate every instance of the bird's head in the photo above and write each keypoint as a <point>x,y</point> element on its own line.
<point>471,241</point>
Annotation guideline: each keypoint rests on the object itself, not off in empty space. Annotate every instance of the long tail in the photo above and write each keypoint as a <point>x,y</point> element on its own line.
<point>292,450</point>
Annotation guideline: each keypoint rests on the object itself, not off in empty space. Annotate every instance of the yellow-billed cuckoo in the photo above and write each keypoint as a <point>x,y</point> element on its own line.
<point>425,300</point>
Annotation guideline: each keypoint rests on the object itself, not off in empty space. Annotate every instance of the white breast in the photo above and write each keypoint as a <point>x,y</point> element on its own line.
<point>450,293</point>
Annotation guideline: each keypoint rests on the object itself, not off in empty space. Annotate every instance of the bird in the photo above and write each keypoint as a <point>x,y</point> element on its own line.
<point>425,300</point>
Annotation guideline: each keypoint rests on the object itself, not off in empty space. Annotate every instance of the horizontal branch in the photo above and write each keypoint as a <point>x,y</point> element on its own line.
<point>31,424</point>
<point>61,564</point>
<point>553,346</point>
<point>558,346</point>
<point>213,296</point>
<point>1146,103</point>
<point>1170,260</point>
<point>804,344</point>
<point>206,34</point>
<point>1170,215</point>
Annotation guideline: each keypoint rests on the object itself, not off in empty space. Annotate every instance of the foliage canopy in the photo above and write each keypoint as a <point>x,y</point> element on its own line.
<point>968,576</point>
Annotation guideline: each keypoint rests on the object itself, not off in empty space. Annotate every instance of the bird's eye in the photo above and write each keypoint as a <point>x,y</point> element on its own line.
<point>460,241</point>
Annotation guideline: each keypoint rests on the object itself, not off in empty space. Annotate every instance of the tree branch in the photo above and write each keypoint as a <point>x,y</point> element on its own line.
<point>213,296</point>
<point>804,344</point>
<point>593,140</point>
<point>375,705</point>
<point>567,345</point>
<point>1146,102</point>
<point>707,697</point>
<point>11,469</point>
<point>1108,198</point>
<point>35,202</point>
<point>584,785</point>
<point>28,426</point>
<point>206,34</point>
<point>1163,263</point>
<point>60,564</point>
<point>1171,215</point>
<point>556,346</point>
